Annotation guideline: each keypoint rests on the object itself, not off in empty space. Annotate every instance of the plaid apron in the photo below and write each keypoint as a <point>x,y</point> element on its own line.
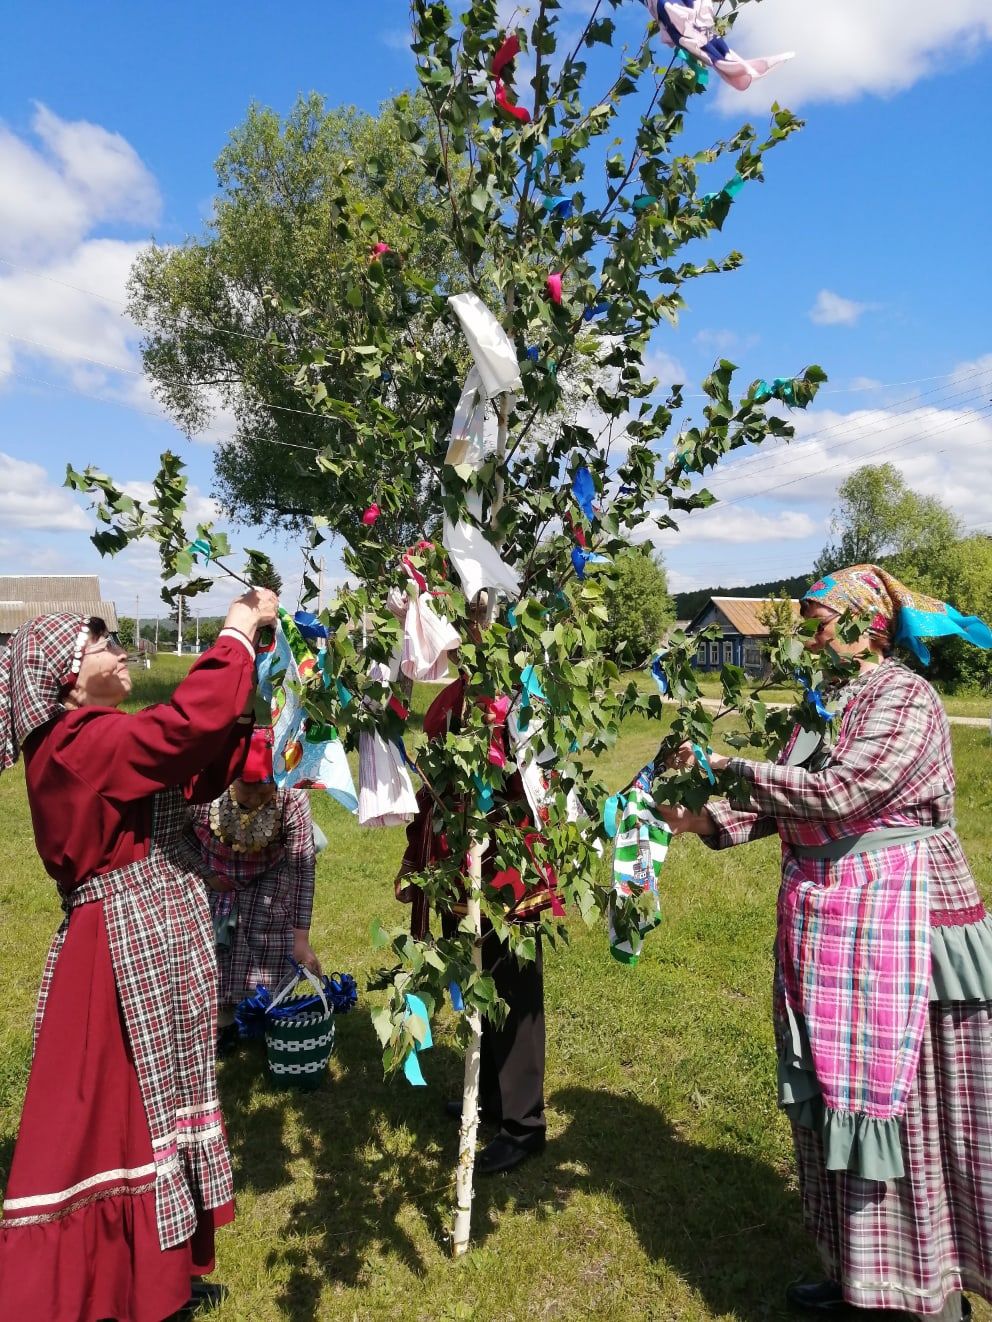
<point>161,947</point>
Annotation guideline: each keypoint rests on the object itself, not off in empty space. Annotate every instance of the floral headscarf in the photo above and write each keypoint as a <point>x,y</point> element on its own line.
<point>897,613</point>
<point>40,661</point>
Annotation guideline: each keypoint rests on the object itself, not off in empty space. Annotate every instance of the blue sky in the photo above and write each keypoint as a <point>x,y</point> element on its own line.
<point>865,250</point>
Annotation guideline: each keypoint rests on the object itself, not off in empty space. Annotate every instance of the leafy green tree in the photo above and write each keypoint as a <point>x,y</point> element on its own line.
<point>125,632</point>
<point>578,289</point>
<point>638,606</point>
<point>879,518</point>
<point>209,323</point>
<point>778,617</point>
<point>962,574</point>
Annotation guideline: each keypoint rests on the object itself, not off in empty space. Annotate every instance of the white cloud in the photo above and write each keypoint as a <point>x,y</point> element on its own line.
<point>79,176</point>
<point>847,48</point>
<point>29,499</point>
<point>668,369</point>
<point>832,309</point>
<point>941,450</point>
<point>89,338</point>
<point>738,527</point>
<point>722,342</point>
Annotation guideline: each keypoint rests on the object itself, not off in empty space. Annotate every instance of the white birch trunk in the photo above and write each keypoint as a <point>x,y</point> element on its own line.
<point>465,1170</point>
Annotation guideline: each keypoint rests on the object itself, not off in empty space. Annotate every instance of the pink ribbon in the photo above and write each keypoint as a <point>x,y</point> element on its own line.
<point>553,286</point>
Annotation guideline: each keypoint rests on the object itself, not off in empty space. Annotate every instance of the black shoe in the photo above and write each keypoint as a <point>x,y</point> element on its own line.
<point>822,1297</point>
<point>453,1110</point>
<point>228,1039</point>
<point>505,1153</point>
<point>204,1297</point>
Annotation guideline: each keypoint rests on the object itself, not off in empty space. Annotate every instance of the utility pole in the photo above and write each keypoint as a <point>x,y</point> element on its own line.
<point>156,635</point>
<point>137,626</point>
<point>198,631</point>
<point>179,628</point>
<point>320,583</point>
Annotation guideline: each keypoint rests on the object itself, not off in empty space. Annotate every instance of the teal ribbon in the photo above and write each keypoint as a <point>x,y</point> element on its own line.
<point>611,811</point>
<point>344,695</point>
<point>201,547</point>
<point>700,70</point>
<point>704,762</point>
<point>645,200</point>
<point>484,798</point>
<point>411,1066</point>
<point>782,388</point>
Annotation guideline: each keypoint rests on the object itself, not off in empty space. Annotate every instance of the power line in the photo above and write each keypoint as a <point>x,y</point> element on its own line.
<point>885,449</point>
<point>913,403</point>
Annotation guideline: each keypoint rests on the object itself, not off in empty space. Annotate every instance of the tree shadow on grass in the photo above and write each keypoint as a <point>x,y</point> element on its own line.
<point>725,1221</point>
<point>378,1148</point>
<point>383,1154</point>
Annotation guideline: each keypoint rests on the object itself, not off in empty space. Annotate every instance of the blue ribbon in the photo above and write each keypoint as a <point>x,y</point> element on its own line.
<point>813,697</point>
<point>457,1000</point>
<point>533,353</point>
<point>309,626</point>
<point>597,310</point>
<point>583,491</point>
<point>660,678</point>
<point>560,206</point>
<point>582,558</point>
<point>704,762</point>
<point>411,1066</point>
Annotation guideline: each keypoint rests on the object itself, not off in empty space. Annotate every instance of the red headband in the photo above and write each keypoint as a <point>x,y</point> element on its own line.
<point>258,764</point>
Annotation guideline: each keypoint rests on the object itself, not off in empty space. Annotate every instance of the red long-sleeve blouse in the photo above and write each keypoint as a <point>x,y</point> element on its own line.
<point>92,772</point>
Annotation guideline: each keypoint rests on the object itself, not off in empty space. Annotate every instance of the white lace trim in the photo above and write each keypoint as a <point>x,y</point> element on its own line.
<point>48,1199</point>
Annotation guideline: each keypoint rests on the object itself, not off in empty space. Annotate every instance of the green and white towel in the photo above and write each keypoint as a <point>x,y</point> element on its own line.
<point>638,855</point>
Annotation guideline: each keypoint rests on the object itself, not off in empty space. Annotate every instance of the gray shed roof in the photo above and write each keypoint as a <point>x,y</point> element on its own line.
<point>23,597</point>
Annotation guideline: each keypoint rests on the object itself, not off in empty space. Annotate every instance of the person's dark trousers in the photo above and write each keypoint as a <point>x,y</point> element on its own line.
<point>512,1069</point>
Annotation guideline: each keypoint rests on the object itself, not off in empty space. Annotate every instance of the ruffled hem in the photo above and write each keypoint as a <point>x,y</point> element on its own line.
<point>860,1144</point>
<point>101,1260</point>
<point>961,962</point>
<point>200,1178</point>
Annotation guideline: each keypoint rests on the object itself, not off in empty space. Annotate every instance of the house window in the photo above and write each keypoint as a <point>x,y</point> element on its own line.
<point>714,654</point>
<point>752,656</point>
<point>701,655</point>
<point>728,654</point>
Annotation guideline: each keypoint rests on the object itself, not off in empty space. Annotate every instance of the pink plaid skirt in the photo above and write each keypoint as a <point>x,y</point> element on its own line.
<point>908,1243</point>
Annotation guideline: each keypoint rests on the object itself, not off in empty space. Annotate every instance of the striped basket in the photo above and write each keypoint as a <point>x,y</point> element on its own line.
<point>299,1045</point>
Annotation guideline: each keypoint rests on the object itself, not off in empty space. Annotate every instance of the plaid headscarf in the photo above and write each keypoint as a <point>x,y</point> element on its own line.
<point>897,613</point>
<point>40,660</point>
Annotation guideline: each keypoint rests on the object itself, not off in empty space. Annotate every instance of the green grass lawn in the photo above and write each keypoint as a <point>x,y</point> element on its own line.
<point>667,1189</point>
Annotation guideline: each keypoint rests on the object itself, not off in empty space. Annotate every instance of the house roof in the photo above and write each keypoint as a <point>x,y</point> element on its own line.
<point>49,587</point>
<point>743,614</point>
<point>22,598</point>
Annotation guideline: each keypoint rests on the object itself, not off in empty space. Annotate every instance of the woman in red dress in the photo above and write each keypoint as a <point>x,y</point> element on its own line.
<point>121,1170</point>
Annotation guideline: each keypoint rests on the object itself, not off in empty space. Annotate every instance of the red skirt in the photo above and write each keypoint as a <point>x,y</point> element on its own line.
<point>79,1240</point>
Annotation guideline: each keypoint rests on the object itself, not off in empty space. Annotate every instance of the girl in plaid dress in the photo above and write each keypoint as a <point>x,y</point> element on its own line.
<point>258,852</point>
<point>883,985</point>
<point>121,1170</point>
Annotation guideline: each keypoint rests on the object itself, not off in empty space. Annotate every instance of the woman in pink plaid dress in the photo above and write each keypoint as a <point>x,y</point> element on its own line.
<point>121,1170</point>
<point>883,985</point>
<point>258,851</point>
